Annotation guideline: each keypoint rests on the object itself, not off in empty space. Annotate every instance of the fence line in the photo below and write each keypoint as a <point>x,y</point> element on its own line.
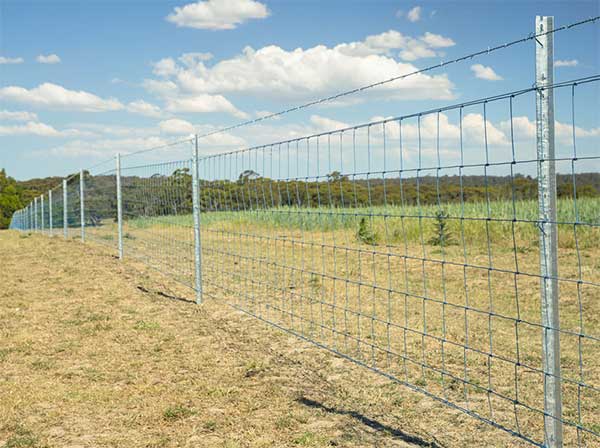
<point>431,248</point>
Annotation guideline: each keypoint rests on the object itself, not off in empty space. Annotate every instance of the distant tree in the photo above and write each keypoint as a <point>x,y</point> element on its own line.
<point>10,199</point>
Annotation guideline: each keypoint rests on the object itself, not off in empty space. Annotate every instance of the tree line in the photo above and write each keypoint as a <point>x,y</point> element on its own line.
<point>159,195</point>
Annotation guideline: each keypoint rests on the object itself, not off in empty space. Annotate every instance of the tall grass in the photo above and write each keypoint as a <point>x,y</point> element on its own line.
<point>578,222</point>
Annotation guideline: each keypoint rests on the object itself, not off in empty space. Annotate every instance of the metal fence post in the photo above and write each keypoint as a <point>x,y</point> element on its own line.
<point>50,211</point>
<point>42,213</point>
<point>81,206</point>
<point>196,212</point>
<point>35,214</point>
<point>65,210</point>
<point>119,207</point>
<point>548,232</point>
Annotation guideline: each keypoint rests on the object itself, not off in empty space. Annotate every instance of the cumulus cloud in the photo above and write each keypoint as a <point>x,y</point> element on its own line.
<point>327,124</point>
<point>566,63</point>
<point>53,96</point>
<point>5,60</point>
<point>484,72</point>
<point>39,129</point>
<point>141,107</point>
<point>523,127</point>
<point>414,15</point>
<point>204,103</point>
<point>101,148</point>
<point>303,74</point>
<point>48,59</point>
<point>9,115</point>
<point>98,129</point>
<point>217,14</point>
<point>176,126</point>
<point>411,48</point>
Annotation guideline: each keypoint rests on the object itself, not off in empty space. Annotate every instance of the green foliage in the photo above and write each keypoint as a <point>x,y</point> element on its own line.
<point>171,196</point>
<point>441,233</point>
<point>10,199</point>
<point>365,232</point>
<point>21,438</point>
<point>178,412</point>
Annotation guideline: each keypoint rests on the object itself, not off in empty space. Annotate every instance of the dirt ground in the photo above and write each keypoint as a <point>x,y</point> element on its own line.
<point>95,352</point>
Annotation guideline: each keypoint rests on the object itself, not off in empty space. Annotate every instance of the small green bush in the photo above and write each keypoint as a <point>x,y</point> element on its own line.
<point>441,233</point>
<point>365,233</point>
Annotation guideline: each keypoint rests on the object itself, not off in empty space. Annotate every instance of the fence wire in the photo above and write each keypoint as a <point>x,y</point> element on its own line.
<point>100,217</point>
<point>408,245</point>
<point>393,246</point>
<point>157,221</point>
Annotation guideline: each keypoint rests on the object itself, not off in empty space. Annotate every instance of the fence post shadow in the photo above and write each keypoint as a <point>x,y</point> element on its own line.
<point>371,423</point>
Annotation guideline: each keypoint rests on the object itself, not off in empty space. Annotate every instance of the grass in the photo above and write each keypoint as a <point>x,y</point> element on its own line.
<point>21,438</point>
<point>395,224</point>
<point>387,285</point>
<point>381,290</point>
<point>178,412</point>
<point>218,379</point>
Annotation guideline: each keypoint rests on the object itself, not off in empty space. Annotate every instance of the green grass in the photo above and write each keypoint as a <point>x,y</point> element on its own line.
<point>178,412</point>
<point>396,224</point>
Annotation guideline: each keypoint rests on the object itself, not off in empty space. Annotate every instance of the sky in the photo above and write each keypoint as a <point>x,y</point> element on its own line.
<point>83,80</point>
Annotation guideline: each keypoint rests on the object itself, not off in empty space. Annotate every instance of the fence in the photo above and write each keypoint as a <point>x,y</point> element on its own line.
<point>393,244</point>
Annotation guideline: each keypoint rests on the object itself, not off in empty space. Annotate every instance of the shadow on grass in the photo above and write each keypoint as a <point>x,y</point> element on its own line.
<point>373,424</point>
<point>164,294</point>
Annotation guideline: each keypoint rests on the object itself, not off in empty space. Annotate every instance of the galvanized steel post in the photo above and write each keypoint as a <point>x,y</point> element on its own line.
<point>81,206</point>
<point>42,213</point>
<point>65,210</point>
<point>548,232</point>
<point>35,213</point>
<point>119,207</point>
<point>196,211</point>
<point>50,211</point>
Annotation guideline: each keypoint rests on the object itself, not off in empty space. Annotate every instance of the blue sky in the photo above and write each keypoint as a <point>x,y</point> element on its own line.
<point>83,80</point>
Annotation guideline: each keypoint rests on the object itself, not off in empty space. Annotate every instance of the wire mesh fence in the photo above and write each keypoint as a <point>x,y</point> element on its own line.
<point>427,248</point>
<point>157,221</point>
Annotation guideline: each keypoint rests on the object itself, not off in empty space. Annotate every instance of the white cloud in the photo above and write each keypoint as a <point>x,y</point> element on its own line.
<point>414,15</point>
<point>102,148</point>
<point>217,14</point>
<point>411,48</point>
<point>566,63</point>
<point>523,127</point>
<point>203,103</point>
<point>323,124</point>
<point>160,88</point>
<point>300,74</point>
<point>39,129</point>
<point>165,67</point>
<point>5,60</point>
<point>487,73</point>
<point>141,107</point>
<point>176,126</point>
<point>48,59</point>
<point>96,129</point>
<point>17,115</point>
<point>436,40</point>
<point>54,96</point>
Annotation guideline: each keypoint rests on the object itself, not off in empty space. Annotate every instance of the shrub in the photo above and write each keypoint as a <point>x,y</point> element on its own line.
<point>365,233</point>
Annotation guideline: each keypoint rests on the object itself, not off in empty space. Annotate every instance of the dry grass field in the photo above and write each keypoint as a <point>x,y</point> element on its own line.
<point>95,352</point>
